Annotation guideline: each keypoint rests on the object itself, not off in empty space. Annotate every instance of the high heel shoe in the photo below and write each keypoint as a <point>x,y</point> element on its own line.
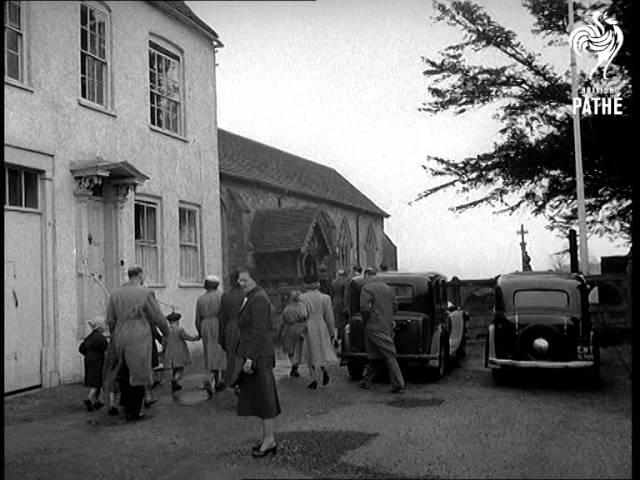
<point>313,385</point>
<point>263,453</point>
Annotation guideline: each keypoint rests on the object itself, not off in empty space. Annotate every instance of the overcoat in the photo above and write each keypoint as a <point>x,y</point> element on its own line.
<point>338,287</point>
<point>377,304</point>
<point>258,393</point>
<point>93,348</point>
<point>129,311</point>
<point>208,327</point>
<point>229,310</point>
<point>176,351</point>
<point>293,324</point>
<point>317,349</point>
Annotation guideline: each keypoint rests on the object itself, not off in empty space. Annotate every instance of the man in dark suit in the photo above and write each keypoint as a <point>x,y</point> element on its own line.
<point>377,305</point>
<point>338,287</point>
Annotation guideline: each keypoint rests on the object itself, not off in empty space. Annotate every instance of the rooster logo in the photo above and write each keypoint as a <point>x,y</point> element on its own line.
<point>603,38</point>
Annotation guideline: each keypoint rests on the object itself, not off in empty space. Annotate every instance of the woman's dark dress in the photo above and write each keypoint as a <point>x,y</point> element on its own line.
<point>258,393</point>
<point>93,347</point>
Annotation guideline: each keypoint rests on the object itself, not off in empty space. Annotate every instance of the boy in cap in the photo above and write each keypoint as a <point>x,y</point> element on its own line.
<point>176,351</point>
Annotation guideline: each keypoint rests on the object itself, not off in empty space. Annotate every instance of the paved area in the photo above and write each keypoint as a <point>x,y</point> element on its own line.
<point>463,426</point>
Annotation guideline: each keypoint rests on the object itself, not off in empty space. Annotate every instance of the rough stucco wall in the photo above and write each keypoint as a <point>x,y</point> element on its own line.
<point>50,119</point>
<point>258,198</point>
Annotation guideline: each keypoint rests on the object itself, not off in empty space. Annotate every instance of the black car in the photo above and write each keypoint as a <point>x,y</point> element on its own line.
<point>541,321</point>
<point>426,331</point>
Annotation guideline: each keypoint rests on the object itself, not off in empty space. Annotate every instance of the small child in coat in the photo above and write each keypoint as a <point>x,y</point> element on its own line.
<point>93,347</point>
<point>176,352</point>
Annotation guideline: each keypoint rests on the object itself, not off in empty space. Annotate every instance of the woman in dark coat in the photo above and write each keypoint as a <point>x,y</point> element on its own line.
<point>258,393</point>
<point>229,332</point>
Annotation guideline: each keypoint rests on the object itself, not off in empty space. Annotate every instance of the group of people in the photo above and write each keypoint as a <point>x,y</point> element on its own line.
<point>313,324</point>
<point>307,332</point>
<point>235,328</point>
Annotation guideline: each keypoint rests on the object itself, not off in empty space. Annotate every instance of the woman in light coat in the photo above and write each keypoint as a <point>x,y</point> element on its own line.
<point>208,327</point>
<point>318,350</point>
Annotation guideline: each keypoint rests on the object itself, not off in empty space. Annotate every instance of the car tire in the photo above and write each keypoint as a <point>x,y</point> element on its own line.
<point>443,357</point>
<point>356,369</point>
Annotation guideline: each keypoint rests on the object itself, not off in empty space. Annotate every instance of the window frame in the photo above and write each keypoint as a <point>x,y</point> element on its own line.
<point>172,53</point>
<point>23,45</point>
<point>106,61</point>
<point>23,190</point>
<point>155,203</point>
<point>371,245</point>
<point>197,215</point>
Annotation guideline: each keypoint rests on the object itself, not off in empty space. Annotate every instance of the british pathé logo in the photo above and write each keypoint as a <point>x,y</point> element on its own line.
<point>603,38</point>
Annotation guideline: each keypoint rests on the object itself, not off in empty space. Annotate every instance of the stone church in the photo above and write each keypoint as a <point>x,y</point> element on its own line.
<point>288,217</point>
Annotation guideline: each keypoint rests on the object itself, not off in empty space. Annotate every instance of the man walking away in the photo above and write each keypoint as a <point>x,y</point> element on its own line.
<point>130,309</point>
<point>377,304</point>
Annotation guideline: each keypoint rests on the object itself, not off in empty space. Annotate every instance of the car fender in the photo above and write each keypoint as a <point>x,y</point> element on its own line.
<point>435,340</point>
<point>456,329</point>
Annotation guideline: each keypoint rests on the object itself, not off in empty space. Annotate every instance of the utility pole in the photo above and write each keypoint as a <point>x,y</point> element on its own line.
<point>577,143</point>
<point>526,259</point>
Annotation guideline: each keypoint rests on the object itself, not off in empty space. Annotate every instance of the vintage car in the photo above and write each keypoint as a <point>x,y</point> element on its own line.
<point>541,320</point>
<point>426,331</point>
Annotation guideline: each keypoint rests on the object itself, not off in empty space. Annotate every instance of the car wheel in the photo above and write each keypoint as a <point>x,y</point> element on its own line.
<point>356,369</point>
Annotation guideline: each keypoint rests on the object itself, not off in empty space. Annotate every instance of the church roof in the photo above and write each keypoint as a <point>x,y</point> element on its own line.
<point>248,160</point>
<point>284,229</point>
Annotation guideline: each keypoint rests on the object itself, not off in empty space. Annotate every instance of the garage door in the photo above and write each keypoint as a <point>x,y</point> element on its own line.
<point>23,320</point>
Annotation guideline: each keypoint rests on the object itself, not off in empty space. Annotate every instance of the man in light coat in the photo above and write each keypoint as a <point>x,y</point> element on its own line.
<point>377,305</point>
<point>130,310</point>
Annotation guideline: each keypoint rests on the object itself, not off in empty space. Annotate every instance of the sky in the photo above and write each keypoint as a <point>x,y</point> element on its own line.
<point>340,83</point>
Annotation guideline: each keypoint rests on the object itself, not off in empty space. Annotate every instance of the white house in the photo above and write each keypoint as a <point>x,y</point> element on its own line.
<point>110,159</point>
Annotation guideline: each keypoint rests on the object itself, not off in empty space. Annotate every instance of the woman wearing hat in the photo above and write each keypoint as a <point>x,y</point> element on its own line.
<point>318,350</point>
<point>208,327</point>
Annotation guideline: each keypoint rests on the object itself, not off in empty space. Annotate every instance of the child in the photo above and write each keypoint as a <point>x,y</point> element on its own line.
<point>93,347</point>
<point>110,377</point>
<point>176,352</point>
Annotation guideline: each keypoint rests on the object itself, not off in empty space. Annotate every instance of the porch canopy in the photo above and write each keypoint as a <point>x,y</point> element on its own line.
<point>117,173</point>
<point>287,229</point>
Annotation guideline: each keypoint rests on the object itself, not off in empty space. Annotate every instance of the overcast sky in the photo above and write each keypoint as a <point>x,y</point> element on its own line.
<point>339,83</point>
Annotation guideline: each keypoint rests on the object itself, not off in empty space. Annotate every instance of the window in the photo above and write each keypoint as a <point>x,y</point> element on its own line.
<point>94,66</point>
<point>146,233</point>
<point>370,247</point>
<point>345,243</point>
<point>190,270</point>
<point>14,40</point>
<point>541,298</point>
<point>165,81</point>
<point>21,188</point>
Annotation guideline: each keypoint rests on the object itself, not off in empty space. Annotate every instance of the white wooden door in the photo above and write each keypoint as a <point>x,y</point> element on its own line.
<point>23,316</point>
<point>95,297</point>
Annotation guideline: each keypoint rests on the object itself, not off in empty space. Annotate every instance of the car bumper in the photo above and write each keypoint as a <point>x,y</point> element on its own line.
<point>400,356</point>
<point>492,361</point>
<point>503,362</point>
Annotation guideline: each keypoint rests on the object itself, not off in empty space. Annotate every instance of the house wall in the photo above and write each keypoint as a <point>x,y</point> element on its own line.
<point>254,197</point>
<point>46,115</point>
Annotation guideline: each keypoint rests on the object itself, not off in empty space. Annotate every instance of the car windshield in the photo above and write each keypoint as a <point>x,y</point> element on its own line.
<point>541,298</point>
<point>403,293</point>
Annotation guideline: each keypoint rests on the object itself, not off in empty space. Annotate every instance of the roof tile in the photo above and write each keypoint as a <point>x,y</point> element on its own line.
<point>250,160</point>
